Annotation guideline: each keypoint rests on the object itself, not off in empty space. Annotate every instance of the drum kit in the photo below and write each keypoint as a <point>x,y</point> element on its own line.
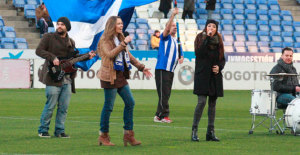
<point>263,104</point>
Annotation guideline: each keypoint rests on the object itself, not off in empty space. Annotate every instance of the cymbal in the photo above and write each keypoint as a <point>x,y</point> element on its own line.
<point>283,74</point>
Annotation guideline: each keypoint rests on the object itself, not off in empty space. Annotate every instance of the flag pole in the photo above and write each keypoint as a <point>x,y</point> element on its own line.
<point>178,35</point>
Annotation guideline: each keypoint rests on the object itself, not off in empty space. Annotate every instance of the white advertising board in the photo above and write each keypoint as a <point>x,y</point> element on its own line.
<point>236,76</point>
<point>14,74</point>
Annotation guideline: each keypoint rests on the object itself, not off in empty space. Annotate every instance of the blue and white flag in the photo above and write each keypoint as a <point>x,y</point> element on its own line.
<point>88,19</point>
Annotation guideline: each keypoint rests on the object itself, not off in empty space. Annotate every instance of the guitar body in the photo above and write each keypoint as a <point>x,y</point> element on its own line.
<point>68,68</point>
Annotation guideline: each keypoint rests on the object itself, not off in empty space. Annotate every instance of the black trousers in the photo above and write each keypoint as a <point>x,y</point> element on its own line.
<point>189,13</point>
<point>164,81</point>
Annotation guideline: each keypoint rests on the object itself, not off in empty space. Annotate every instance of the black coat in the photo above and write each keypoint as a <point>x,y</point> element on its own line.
<point>211,4</point>
<point>165,5</point>
<point>205,81</point>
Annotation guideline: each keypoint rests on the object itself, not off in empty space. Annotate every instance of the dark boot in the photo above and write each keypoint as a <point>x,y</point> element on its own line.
<point>210,134</point>
<point>195,135</point>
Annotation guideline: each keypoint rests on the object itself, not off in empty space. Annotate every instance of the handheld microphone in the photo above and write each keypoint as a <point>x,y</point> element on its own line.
<point>125,35</point>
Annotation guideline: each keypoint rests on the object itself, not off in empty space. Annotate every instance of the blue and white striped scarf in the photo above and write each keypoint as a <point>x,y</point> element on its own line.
<point>119,64</point>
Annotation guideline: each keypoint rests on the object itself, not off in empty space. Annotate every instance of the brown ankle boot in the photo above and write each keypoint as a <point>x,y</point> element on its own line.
<point>129,137</point>
<point>104,139</point>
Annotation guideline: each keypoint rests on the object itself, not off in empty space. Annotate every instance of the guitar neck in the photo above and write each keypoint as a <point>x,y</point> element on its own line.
<point>74,60</point>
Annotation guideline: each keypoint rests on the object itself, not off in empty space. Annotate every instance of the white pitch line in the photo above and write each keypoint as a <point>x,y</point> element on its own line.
<point>143,125</point>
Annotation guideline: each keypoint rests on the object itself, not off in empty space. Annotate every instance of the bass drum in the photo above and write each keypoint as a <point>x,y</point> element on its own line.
<point>292,115</point>
<point>261,102</point>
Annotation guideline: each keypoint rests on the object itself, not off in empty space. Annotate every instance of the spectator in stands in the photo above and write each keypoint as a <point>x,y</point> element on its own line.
<point>43,19</point>
<point>115,65</point>
<point>51,48</point>
<point>189,7</point>
<point>165,6</point>
<point>167,59</point>
<point>208,82</point>
<point>285,86</point>
<point>155,39</point>
<point>210,7</point>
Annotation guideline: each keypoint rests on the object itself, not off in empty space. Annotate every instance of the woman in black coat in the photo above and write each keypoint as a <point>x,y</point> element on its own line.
<point>210,61</point>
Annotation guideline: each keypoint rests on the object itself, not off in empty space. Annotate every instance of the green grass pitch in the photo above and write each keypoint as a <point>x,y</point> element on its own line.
<point>20,113</point>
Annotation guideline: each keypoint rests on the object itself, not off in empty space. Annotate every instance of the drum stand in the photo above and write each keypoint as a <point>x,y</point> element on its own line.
<point>272,116</point>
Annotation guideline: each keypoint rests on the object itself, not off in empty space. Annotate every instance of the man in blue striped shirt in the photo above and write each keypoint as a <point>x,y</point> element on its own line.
<point>167,59</point>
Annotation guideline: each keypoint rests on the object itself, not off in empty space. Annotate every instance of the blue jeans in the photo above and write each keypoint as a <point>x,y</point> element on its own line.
<point>110,96</point>
<point>284,99</point>
<point>60,95</point>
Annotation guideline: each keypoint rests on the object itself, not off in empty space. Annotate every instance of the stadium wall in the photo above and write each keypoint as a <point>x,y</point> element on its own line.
<point>243,71</point>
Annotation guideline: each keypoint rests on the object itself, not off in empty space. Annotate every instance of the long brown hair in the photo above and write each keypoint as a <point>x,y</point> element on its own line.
<point>110,29</point>
<point>221,44</point>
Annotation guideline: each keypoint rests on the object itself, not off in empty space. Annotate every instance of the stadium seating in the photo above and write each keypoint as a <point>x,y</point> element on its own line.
<point>7,43</point>
<point>20,43</point>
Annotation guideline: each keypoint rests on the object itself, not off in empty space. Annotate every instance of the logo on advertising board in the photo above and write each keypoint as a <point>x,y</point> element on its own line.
<point>186,75</point>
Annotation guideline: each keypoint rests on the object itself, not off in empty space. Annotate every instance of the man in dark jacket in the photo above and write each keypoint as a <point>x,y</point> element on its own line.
<point>285,86</point>
<point>210,7</point>
<point>165,6</point>
<point>52,47</point>
<point>189,7</point>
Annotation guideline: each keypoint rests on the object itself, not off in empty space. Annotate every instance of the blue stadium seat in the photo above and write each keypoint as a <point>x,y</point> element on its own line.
<point>218,6</point>
<point>202,5</point>
<point>238,4</point>
<point>239,36</point>
<point>131,26</point>
<point>216,16</point>
<point>252,46</point>
<point>297,36</point>
<point>262,14</point>
<point>227,27</point>
<point>19,3</point>
<point>226,5</point>
<point>275,36</point>
<point>287,36</point>
<point>238,14</point>
<point>251,36</point>
<point>296,26</point>
<point>274,25</point>
<point>287,26</point>
<point>227,14</point>
<point>130,30</point>
<point>8,32</point>
<point>263,36</point>
<point>263,25</point>
<point>141,31</point>
<point>274,15</point>
<point>273,5</point>
<point>287,44</point>
<point>33,2</point>
<point>228,47</point>
<point>29,11</point>
<point>239,25</point>
<point>7,43</point>
<point>240,46</point>
<point>250,4</point>
<point>276,46</point>
<point>227,36</point>
<point>132,20</point>
<point>251,25</point>
<point>20,43</point>
<point>250,14</point>
<point>142,36</point>
<point>286,15</point>
<point>141,21</point>
<point>263,46</point>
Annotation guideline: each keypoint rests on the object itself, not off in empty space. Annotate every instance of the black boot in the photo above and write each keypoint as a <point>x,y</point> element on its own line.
<point>195,135</point>
<point>210,134</point>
